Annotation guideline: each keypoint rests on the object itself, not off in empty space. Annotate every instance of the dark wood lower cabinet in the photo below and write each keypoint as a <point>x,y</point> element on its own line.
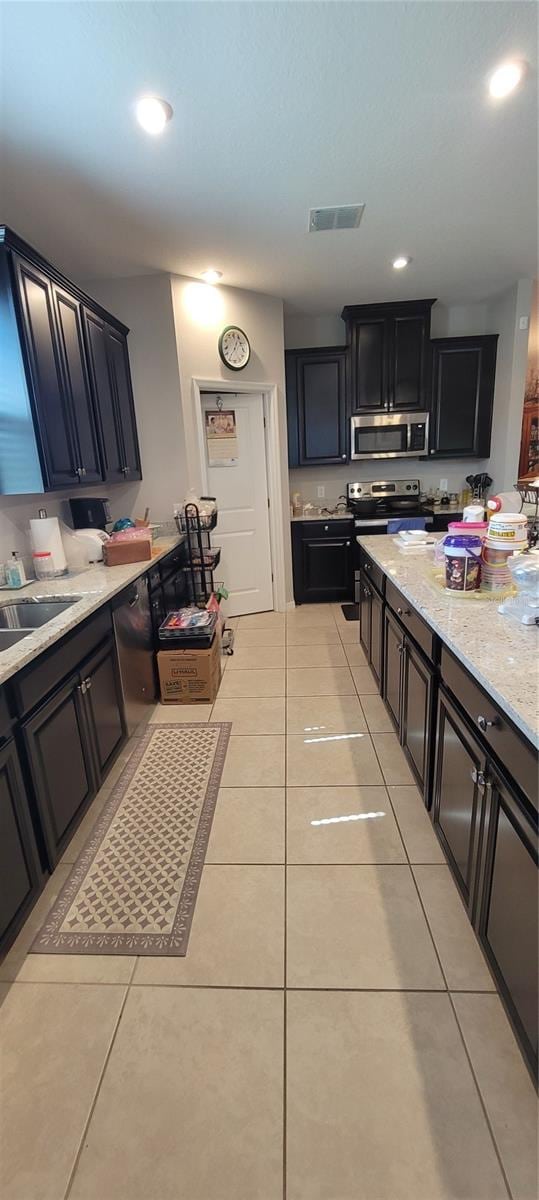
<point>71,741</point>
<point>507,914</point>
<point>392,682</point>
<point>457,801</point>
<point>57,741</point>
<point>322,559</point>
<point>104,699</point>
<point>416,713</point>
<point>371,609</point>
<point>20,871</point>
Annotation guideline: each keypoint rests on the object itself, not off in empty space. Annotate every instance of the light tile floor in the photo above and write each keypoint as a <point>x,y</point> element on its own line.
<point>333,1033</point>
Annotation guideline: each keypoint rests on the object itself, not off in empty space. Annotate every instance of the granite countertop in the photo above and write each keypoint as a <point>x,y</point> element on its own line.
<point>97,585</point>
<point>340,516</point>
<point>500,653</point>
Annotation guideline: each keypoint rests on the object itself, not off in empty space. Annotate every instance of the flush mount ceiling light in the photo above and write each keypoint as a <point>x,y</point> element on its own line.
<point>153,113</point>
<point>211,275</point>
<point>505,79</point>
<point>400,262</point>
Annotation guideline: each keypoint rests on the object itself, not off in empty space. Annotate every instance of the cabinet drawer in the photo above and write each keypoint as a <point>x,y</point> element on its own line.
<point>413,623</point>
<point>33,684</point>
<point>371,569</point>
<point>515,753</point>
<point>327,529</point>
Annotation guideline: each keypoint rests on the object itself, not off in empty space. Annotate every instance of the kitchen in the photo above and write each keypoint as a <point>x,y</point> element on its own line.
<point>360,775</point>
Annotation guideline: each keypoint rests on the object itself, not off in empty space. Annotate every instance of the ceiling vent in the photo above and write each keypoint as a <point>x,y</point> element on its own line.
<point>341,216</point>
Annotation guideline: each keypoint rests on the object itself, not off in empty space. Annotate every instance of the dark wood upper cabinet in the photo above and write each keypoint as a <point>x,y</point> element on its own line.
<point>389,354</point>
<point>111,384</point>
<point>316,396</point>
<point>77,385</point>
<point>463,374</point>
<point>73,416</point>
<point>42,356</point>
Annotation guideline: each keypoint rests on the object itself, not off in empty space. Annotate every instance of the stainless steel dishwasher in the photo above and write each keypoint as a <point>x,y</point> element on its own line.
<point>134,639</point>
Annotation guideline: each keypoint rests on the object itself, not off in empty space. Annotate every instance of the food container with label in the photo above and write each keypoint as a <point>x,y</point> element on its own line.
<point>462,562</point>
<point>508,529</point>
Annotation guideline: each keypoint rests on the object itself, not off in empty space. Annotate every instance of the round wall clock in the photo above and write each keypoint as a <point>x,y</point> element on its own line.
<point>234,348</point>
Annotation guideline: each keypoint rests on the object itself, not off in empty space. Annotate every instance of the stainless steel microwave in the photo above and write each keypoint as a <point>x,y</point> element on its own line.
<point>390,435</point>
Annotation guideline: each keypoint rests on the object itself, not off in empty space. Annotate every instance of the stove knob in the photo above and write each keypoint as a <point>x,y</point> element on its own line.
<point>408,488</point>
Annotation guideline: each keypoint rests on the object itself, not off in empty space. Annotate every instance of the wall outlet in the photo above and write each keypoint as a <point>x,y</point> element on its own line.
<point>443,485</point>
<point>321,492</point>
<point>523,323</point>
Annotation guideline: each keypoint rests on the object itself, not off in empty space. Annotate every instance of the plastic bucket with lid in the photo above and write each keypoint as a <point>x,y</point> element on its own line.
<point>462,562</point>
<point>508,529</point>
<point>479,527</point>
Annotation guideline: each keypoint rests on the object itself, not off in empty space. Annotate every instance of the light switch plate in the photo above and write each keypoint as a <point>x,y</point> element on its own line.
<point>443,485</point>
<point>321,492</point>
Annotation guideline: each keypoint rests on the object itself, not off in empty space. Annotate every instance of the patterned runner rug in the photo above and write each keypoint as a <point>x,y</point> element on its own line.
<point>133,888</point>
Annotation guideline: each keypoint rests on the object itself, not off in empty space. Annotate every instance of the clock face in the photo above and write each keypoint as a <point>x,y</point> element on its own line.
<point>234,348</point>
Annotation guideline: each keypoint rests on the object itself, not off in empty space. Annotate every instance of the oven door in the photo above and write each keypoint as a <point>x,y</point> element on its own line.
<point>389,435</point>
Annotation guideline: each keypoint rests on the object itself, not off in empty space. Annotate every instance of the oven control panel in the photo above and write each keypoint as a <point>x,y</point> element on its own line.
<point>383,487</point>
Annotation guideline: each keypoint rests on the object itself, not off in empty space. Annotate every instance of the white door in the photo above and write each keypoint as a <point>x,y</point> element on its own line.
<point>242,498</point>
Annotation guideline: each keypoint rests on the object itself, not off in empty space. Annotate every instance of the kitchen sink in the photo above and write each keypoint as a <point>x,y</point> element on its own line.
<point>33,612</point>
<point>10,637</point>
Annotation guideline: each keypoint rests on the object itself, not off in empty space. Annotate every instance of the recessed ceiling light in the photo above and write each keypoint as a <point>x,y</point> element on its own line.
<point>401,262</point>
<point>211,275</point>
<point>153,113</point>
<point>505,79</point>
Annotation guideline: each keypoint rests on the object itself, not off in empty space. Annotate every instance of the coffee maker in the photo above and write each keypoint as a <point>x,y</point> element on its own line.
<point>90,512</point>
<point>90,516</point>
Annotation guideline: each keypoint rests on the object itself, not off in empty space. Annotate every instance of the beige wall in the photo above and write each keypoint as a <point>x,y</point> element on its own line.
<point>503,317</point>
<point>200,313</point>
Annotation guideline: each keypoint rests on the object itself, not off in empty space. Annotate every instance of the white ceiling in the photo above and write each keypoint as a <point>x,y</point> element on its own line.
<point>278,108</point>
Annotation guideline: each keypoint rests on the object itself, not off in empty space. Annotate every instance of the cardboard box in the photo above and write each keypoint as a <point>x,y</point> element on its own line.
<point>190,676</point>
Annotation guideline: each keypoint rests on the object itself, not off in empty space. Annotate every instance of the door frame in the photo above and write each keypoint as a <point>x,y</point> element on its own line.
<point>270,398</point>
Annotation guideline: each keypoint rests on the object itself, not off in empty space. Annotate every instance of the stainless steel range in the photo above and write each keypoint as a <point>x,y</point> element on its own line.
<point>374,504</point>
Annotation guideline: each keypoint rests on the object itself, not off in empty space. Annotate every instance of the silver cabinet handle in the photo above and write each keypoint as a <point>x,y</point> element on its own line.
<point>404,612</point>
<point>88,683</point>
<point>348,543</point>
<point>400,648</point>
<point>78,471</point>
<point>83,470</point>
<point>485,724</point>
<point>366,591</point>
<point>481,780</point>
<point>81,687</point>
<point>326,527</point>
<point>134,601</point>
<point>343,456</point>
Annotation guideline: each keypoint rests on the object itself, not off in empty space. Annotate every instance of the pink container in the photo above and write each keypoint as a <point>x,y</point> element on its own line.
<point>479,527</point>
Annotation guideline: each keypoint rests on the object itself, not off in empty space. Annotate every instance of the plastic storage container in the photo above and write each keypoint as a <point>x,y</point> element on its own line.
<point>462,562</point>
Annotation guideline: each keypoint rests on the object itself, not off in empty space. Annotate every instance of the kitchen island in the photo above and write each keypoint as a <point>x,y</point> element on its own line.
<point>459,681</point>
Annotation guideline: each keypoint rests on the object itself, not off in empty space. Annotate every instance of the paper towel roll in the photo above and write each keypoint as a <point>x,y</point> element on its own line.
<point>45,535</point>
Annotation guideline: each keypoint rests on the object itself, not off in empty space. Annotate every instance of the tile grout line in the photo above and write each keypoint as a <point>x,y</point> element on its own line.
<point>450,1000</point>
<point>98,1089</point>
<point>285,931</point>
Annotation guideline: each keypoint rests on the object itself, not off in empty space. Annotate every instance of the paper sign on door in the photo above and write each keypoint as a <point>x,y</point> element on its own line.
<point>221,437</point>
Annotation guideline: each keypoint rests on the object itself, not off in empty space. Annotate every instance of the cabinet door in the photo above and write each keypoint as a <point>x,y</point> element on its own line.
<point>370,365</point>
<point>102,687</point>
<point>417,692</point>
<point>42,358</point>
<point>377,622</point>
<point>327,571</point>
<point>409,362</point>
<point>463,373</point>
<point>458,794</point>
<point>59,751</point>
<point>507,919</point>
<point>77,385</point>
<point>121,375</point>
<point>393,651</point>
<point>20,871</point>
<point>112,452</point>
<point>365,612</point>
<point>321,405</point>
